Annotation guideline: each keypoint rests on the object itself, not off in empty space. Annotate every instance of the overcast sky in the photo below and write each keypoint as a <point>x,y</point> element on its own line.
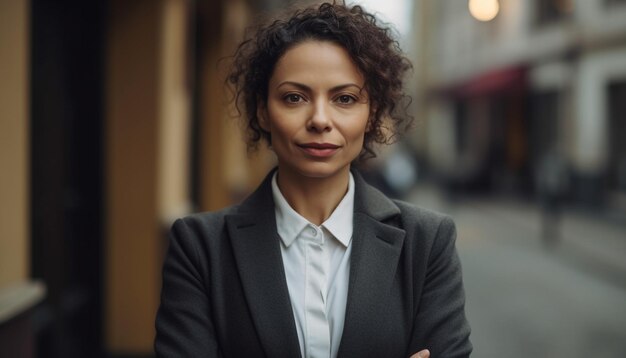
<point>397,12</point>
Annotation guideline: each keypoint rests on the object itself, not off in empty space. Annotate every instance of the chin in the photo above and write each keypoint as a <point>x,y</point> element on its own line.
<point>321,170</point>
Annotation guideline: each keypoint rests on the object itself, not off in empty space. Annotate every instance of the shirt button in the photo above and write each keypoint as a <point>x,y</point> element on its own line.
<point>313,231</point>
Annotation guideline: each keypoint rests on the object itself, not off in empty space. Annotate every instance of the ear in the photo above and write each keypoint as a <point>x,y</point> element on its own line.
<point>262,116</point>
<point>368,127</point>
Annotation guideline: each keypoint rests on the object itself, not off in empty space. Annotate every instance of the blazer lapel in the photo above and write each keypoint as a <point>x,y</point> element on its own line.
<point>376,248</point>
<point>256,246</point>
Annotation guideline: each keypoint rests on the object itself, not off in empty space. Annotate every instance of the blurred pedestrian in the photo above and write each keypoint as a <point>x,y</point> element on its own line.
<point>552,185</point>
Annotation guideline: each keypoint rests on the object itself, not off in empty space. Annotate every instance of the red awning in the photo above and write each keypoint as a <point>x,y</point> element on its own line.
<point>509,79</point>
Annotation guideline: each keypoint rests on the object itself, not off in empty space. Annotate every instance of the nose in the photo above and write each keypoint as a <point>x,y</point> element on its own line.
<point>319,120</point>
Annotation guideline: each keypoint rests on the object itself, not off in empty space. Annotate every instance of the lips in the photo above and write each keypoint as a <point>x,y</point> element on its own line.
<point>320,150</point>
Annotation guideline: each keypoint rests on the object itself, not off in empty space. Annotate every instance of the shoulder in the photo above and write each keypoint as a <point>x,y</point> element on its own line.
<point>427,219</point>
<point>209,220</point>
<point>427,231</point>
<point>199,238</point>
<point>211,226</point>
<point>204,228</point>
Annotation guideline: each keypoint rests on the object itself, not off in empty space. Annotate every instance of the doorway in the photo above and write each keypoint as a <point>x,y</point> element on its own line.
<point>66,174</point>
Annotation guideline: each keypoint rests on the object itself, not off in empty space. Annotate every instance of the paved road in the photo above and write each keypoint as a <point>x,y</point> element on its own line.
<point>526,301</point>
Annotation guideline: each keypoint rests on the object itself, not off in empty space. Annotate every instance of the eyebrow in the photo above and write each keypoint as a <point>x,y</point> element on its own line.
<point>307,88</point>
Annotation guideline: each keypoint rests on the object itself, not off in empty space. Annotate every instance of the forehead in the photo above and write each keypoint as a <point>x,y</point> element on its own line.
<point>316,61</point>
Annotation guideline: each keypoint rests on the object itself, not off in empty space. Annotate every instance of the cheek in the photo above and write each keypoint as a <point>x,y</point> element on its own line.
<point>280,130</point>
<point>360,128</point>
<point>354,136</point>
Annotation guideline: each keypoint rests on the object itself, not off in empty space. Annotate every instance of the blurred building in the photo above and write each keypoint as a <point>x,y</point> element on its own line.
<point>113,122</point>
<point>544,80</point>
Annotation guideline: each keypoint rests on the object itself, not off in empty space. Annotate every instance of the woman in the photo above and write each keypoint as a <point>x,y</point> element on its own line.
<point>315,263</point>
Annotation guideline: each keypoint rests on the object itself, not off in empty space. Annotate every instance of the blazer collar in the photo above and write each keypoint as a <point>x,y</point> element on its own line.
<point>256,247</point>
<point>367,199</point>
<point>376,250</point>
<point>376,247</point>
<point>371,202</point>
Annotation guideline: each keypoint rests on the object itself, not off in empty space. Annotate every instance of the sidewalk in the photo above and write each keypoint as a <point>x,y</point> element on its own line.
<point>587,241</point>
<point>525,300</point>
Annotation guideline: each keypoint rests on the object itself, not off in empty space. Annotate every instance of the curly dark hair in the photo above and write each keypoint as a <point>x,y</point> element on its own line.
<point>370,44</point>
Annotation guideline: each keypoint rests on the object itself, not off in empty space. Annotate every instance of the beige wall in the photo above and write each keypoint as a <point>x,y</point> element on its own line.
<point>147,169</point>
<point>14,144</point>
<point>227,172</point>
<point>174,112</point>
<point>212,116</point>
<point>147,145</point>
<point>132,237</point>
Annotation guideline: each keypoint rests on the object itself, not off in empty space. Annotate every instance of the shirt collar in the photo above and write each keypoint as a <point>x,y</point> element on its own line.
<point>340,222</point>
<point>289,223</point>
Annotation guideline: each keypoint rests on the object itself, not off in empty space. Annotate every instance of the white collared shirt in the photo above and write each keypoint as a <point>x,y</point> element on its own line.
<point>317,268</point>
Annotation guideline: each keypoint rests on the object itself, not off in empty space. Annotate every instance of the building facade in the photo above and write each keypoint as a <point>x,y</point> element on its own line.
<point>543,81</point>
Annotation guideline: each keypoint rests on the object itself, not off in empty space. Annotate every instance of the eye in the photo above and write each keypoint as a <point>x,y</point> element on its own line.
<point>346,99</point>
<point>293,98</point>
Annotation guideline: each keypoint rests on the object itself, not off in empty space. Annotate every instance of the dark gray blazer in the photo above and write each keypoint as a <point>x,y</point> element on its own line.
<point>225,294</point>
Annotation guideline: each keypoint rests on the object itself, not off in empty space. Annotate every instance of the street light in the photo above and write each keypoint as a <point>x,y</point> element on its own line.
<point>484,10</point>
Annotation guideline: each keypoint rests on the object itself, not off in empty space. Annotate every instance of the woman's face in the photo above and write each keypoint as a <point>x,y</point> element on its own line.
<point>317,110</point>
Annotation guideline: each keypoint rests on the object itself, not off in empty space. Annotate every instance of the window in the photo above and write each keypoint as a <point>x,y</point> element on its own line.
<point>617,128</point>
<point>550,11</point>
<point>609,3</point>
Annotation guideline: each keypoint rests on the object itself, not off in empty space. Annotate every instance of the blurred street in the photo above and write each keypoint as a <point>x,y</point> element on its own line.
<point>118,117</point>
<point>526,300</point>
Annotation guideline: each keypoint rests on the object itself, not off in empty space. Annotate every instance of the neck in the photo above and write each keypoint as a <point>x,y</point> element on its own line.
<point>313,198</point>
